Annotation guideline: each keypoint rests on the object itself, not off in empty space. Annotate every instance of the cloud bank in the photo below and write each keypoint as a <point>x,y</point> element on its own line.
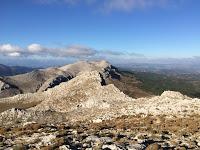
<point>38,55</point>
<point>71,51</point>
<point>39,50</point>
<point>10,50</point>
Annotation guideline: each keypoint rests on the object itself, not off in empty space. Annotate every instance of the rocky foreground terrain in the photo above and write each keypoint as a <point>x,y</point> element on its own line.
<point>87,113</point>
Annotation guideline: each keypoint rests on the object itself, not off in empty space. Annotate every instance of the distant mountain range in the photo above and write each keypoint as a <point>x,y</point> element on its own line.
<point>13,70</point>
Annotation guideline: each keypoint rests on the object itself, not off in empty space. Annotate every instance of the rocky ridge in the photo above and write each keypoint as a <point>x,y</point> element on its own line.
<point>43,79</point>
<point>85,98</point>
<point>85,113</point>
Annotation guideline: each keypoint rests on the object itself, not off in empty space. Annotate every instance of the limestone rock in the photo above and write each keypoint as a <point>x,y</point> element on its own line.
<point>86,98</point>
<point>153,147</point>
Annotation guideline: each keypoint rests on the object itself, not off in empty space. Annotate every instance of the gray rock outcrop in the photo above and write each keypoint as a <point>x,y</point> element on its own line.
<point>84,98</point>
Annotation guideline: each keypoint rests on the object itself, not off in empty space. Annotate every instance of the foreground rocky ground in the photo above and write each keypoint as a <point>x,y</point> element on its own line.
<point>126,133</point>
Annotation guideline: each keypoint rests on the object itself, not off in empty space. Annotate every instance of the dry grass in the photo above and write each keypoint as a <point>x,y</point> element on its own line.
<point>152,124</point>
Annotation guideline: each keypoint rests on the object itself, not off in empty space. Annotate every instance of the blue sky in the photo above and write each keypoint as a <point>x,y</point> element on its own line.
<point>68,30</point>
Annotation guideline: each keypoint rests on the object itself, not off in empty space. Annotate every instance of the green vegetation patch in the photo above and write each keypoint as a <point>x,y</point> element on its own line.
<point>188,84</point>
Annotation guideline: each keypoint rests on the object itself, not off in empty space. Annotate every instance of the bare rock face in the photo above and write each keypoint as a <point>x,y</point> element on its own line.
<point>173,95</point>
<point>54,81</point>
<point>85,98</point>
<point>169,103</point>
<point>3,85</point>
<point>84,91</point>
<point>9,115</point>
<point>7,89</point>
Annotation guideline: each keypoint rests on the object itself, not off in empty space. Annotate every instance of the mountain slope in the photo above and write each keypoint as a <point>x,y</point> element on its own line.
<point>43,79</point>
<point>13,70</point>
<point>85,110</point>
<point>85,98</point>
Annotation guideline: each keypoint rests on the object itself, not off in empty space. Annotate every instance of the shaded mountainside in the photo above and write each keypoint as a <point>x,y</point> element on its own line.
<point>13,70</point>
<point>43,79</point>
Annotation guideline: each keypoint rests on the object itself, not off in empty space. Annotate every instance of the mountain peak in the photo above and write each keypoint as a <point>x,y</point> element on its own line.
<point>86,66</point>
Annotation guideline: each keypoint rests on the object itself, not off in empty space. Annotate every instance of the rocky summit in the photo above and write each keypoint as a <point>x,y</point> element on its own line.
<point>43,79</point>
<point>84,112</point>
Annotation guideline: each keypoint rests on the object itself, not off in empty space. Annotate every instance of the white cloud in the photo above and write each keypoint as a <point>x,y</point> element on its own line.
<point>39,50</point>
<point>14,54</point>
<point>35,48</point>
<point>114,53</point>
<point>69,51</point>
<point>78,50</point>
<point>10,50</point>
<point>73,51</point>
